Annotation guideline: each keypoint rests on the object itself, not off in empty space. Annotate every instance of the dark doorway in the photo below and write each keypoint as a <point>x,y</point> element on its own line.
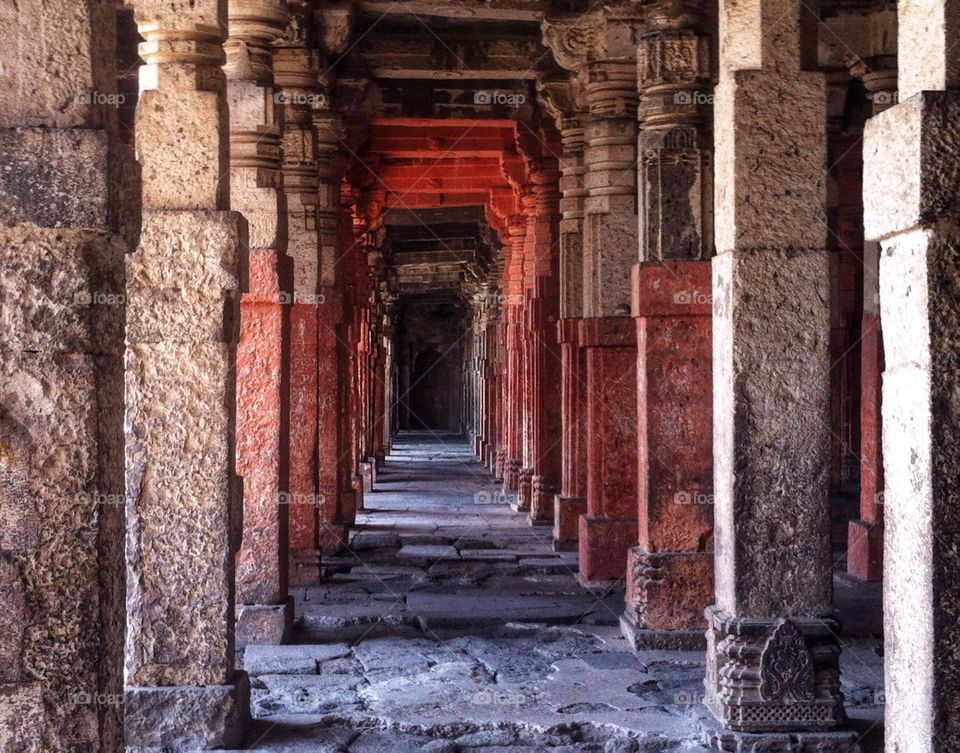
<point>430,347</point>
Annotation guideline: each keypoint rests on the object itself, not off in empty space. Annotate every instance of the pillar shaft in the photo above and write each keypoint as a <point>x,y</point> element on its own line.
<point>771,381</point>
<point>911,181</point>
<point>670,574</point>
<point>263,612</point>
<point>183,497</point>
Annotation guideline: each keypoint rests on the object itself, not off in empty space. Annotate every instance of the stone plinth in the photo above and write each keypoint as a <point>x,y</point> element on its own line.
<point>610,527</point>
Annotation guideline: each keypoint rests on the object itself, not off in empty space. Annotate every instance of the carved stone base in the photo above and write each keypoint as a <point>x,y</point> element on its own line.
<point>524,490</point>
<point>645,639</point>
<point>500,465</point>
<point>541,501</point>
<point>366,475</point>
<point>511,476</point>
<point>774,675</point>
<point>566,522</point>
<point>715,736</point>
<point>304,568</point>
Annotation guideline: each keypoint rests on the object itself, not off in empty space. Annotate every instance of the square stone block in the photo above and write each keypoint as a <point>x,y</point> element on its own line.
<point>911,163</point>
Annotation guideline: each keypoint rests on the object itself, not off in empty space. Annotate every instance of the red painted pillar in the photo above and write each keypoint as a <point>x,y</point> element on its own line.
<point>670,572</point>
<point>609,529</point>
<point>865,538</point>
<point>333,531</point>
<point>263,612</point>
<point>571,503</point>
<point>304,552</point>
<point>545,403</point>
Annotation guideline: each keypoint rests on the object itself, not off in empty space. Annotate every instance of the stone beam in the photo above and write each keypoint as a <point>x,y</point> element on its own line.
<point>500,55</point>
<point>466,10</point>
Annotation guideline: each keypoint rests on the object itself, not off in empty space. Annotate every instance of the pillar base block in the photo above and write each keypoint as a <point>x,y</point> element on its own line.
<point>604,544</point>
<point>715,736</point>
<point>365,469</point>
<point>865,550</point>
<point>566,522</point>
<point>269,624</point>
<point>186,717</point>
<point>669,590</point>
<point>478,446</point>
<point>524,490</point>
<point>334,537</point>
<point>379,460</point>
<point>778,676</point>
<point>541,501</point>
<point>643,638</point>
<point>511,476</point>
<point>304,568</point>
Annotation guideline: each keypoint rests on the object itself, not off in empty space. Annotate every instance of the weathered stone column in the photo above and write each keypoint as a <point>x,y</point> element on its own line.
<point>333,531</point>
<point>865,538</point>
<point>62,245</point>
<point>563,101</point>
<point>513,372</point>
<point>183,498</point>
<point>600,47</point>
<point>670,573</point>
<point>264,612</point>
<point>543,311</point>
<point>295,73</point>
<point>911,184</point>
<point>772,653</point>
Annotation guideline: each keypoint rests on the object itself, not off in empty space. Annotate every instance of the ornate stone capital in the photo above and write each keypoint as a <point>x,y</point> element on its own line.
<point>254,27</point>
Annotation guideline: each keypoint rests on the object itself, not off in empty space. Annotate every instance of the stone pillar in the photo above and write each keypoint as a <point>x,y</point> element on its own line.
<point>543,311</point>
<point>513,362</point>
<point>911,183</point>
<point>295,73</point>
<point>865,537</point>
<point>670,573</point>
<point>61,377</point>
<point>333,530</point>
<point>183,499</point>
<point>773,677</point>
<point>600,47</point>
<point>609,529</point>
<point>562,101</point>
<point>264,612</point>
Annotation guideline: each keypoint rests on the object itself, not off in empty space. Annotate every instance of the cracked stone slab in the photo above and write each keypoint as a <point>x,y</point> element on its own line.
<point>428,552</point>
<point>290,660</point>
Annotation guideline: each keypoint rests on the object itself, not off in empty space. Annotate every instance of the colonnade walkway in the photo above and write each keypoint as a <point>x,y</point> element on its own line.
<point>450,624</point>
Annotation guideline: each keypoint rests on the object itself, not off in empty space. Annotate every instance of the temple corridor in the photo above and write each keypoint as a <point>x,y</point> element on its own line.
<point>480,376</point>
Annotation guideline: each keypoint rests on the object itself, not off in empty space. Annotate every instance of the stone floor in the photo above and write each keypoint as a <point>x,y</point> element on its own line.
<point>452,625</point>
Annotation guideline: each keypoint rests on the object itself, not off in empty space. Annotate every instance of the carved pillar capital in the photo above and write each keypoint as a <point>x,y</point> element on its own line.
<point>254,26</point>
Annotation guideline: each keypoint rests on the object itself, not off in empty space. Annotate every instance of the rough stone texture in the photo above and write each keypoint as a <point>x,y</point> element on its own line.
<point>183,718</point>
<point>182,496</point>
<point>67,188</point>
<point>771,432</point>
